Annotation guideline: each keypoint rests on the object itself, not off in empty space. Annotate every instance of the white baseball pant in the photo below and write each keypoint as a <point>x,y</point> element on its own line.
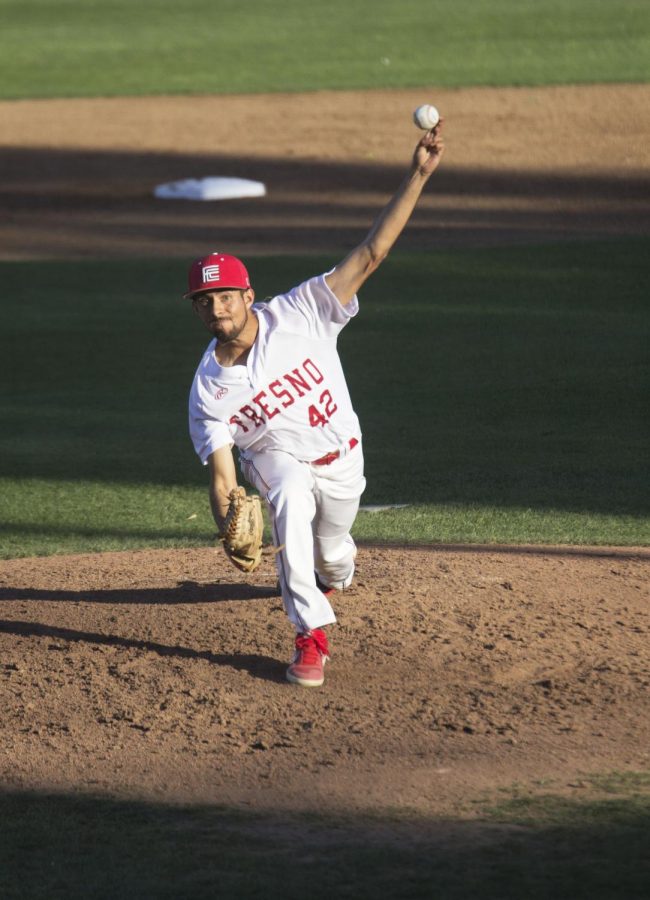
<point>312,509</point>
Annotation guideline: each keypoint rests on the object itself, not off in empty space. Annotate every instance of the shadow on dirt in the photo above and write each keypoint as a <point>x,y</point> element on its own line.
<point>70,203</point>
<point>184,592</point>
<point>263,667</point>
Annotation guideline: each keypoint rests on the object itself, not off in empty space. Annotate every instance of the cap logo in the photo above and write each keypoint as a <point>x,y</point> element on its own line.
<point>210,273</point>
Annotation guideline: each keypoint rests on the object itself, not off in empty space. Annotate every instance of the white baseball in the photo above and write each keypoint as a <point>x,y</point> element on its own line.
<point>426,116</point>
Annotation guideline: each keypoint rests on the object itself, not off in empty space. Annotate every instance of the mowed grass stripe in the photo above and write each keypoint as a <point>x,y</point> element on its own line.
<point>502,395</point>
<point>116,47</point>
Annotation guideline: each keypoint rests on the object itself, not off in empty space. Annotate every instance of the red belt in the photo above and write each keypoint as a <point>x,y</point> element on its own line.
<point>330,457</point>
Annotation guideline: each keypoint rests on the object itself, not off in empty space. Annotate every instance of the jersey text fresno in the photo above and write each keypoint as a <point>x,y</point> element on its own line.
<point>287,389</point>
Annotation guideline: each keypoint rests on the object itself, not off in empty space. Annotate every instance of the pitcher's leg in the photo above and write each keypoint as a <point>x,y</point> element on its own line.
<point>338,493</point>
<point>287,486</point>
<point>334,548</point>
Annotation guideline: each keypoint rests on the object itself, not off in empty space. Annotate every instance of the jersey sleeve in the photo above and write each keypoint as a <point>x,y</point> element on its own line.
<point>312,309</point>
<point>207,433</point>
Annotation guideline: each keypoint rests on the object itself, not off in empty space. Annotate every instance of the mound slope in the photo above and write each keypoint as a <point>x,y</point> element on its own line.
<point>454,671</point>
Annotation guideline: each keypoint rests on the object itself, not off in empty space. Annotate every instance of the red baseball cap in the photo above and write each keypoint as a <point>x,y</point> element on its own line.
<point>217,272</point>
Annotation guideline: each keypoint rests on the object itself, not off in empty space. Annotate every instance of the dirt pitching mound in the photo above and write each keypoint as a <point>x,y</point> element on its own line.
<point>454,671</point>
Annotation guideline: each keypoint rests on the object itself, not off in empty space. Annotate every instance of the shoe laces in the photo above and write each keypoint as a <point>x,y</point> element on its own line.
<point>312,646</point>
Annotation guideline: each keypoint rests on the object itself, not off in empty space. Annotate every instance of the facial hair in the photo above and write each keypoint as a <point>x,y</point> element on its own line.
<point>225,337</point>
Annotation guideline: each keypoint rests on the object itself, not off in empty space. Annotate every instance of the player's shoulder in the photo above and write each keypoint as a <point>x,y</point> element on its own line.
<point>310,308</point>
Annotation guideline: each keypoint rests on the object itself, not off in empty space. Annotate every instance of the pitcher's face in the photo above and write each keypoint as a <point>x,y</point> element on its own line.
<point>224,313</point>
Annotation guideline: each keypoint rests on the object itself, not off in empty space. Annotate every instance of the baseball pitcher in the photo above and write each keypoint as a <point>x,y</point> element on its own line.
<point>271,382</point>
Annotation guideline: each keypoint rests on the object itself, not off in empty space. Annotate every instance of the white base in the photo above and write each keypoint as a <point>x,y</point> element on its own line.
<point>210,189</point>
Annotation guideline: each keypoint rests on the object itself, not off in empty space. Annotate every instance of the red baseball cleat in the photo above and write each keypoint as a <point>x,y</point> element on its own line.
<point>309,660</point>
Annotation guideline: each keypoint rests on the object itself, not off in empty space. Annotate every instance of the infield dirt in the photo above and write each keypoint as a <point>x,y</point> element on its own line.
<point>77,176</point>
<point>455,671</point>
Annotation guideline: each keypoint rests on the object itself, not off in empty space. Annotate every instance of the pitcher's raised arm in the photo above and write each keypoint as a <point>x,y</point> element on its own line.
<point>346,279</point>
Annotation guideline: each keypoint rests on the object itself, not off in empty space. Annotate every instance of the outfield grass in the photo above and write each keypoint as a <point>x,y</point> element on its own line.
<point>51,48</point>
<point>532,846</point>
<point>503,399</point>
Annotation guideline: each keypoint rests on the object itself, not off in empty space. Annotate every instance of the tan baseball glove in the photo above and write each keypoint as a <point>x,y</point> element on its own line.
<point>243,527</point>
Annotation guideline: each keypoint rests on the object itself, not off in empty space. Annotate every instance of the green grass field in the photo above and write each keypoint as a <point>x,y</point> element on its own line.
<point>525,845</point>
<point>516,412</point>
<point>55,48</point>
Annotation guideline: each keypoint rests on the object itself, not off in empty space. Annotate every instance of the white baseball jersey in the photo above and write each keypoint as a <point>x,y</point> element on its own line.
<point>291,394</point>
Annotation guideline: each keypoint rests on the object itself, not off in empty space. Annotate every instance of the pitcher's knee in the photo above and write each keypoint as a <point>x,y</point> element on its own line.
<point>335,565</point>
